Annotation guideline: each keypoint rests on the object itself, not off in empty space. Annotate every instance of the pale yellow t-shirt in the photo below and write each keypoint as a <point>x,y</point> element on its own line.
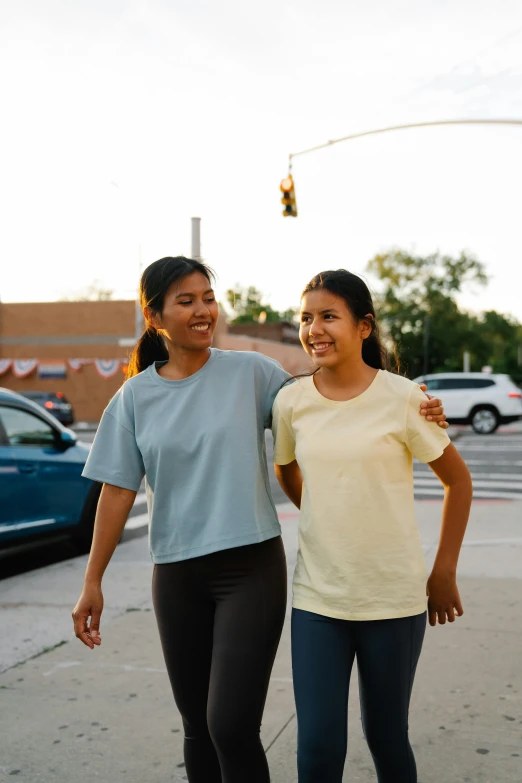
<point>360,554</point>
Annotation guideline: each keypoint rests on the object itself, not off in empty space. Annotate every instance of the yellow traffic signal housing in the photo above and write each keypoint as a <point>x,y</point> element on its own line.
<point>287,189</point>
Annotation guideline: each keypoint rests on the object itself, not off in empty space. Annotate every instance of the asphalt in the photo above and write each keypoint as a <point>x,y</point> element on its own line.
<point>71,714</point>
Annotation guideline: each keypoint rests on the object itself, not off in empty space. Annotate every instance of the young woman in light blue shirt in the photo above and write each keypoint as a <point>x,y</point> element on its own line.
<point>191,420</point>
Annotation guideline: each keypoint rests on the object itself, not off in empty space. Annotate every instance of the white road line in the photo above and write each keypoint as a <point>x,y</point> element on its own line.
<point>493,436</point>
<point>427,482</point>
<point>463,447</point>
<point>479,476</point>
<point>509,463</point>
<point>496,494</point>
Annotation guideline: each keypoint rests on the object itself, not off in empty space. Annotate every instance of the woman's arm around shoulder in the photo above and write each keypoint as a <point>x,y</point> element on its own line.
<point>433,409</point>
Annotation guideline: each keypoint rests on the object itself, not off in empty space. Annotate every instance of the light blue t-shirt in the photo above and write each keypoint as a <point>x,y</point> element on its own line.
<point>200,443</point>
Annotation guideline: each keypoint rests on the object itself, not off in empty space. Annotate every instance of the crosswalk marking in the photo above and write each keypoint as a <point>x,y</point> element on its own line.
<point>493,476</point>
<point>428,481</point>
<point>487,447</point>
<point>508,463</point>
<point>477,493</point>
<point>491,453</point>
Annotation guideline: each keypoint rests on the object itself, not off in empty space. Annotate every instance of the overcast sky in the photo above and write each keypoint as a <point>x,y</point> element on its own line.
<point>122,119</point>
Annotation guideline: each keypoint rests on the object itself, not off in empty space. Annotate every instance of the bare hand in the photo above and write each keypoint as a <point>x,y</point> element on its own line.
<point>90,604</point>
<point>443,598</point>
<point>433,409</point>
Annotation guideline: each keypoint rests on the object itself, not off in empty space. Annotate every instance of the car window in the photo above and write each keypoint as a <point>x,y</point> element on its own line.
<point>25,429</point>
<point>440,384</point>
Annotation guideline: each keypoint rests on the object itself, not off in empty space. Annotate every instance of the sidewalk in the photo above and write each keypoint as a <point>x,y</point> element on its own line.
<point>71,715</point>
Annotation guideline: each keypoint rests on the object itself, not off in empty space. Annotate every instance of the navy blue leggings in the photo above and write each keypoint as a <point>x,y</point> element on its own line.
<point>323,651</point>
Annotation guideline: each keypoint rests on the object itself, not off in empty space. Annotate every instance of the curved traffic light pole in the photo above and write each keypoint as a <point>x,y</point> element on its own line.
<point>400,127</point>
<point>289,199</point>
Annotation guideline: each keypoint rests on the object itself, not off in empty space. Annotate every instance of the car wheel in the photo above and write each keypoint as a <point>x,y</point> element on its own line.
<point>82,533</point>
<point>485,421</point>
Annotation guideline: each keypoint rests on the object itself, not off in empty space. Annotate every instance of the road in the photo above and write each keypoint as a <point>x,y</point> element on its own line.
<point>495,462</point>
<point>466,713</point>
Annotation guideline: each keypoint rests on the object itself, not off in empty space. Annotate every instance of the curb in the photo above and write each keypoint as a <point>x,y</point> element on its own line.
<point>454,431</point>
<point>84,426</point>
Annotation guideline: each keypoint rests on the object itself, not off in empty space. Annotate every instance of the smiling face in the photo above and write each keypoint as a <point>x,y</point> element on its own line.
<point>189,316</point>
<point>329,332</point>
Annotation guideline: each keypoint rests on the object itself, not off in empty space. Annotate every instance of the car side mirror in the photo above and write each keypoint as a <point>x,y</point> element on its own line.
<point>67,439</point>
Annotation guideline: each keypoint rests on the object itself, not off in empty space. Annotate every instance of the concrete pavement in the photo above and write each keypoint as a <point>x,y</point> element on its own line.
<point>71,714</point>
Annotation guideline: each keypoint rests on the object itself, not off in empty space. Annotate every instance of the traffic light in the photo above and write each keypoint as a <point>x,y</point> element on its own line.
<point>288,191</point>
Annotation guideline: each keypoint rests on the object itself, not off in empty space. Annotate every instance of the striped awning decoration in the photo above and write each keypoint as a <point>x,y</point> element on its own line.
<point>23,368</point>
<point>77,364</point>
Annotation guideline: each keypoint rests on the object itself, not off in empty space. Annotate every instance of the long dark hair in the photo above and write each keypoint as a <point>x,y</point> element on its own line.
<point>154,284</point>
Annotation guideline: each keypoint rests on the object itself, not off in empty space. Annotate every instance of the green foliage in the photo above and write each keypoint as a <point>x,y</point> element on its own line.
<point>419,294</point>
<point>247,307</point>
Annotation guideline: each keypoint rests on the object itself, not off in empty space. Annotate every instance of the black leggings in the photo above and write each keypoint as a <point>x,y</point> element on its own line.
<point>220,619</point>
<point>323,651</point>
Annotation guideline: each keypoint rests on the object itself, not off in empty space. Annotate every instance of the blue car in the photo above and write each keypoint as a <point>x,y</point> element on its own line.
<point>42,491</point>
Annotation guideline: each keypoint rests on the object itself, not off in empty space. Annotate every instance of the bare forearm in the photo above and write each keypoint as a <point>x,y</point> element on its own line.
<point>113,510</point>
<point>454,475</point>
<point>455,513</point>
<point>290,481</point>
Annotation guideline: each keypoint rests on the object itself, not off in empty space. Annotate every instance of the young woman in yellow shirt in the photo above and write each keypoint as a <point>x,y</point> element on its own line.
<point>345,438</point>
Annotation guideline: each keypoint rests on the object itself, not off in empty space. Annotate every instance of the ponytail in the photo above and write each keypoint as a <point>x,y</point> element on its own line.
<point>374,353</point>
<point>150,348</point>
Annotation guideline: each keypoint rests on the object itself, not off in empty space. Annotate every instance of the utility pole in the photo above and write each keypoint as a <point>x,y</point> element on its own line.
<point>138,315</point>
<point>196,239</point>
<point>426,344</point>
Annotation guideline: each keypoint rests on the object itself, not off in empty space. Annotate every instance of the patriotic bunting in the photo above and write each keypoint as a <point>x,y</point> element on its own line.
<point>106,368</point>
<point>24,367</point>
<point>55,368</point>
<point>77,364</point>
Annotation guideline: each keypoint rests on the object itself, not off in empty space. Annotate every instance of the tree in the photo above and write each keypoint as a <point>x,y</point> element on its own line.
<point>501,336</point>
<point>248,307</point>
<point>419,294</point>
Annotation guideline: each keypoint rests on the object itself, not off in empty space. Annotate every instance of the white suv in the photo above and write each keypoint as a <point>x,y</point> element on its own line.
<point>485,401</point>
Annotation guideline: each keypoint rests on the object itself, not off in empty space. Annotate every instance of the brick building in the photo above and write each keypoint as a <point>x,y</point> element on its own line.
<point>55,334</point>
